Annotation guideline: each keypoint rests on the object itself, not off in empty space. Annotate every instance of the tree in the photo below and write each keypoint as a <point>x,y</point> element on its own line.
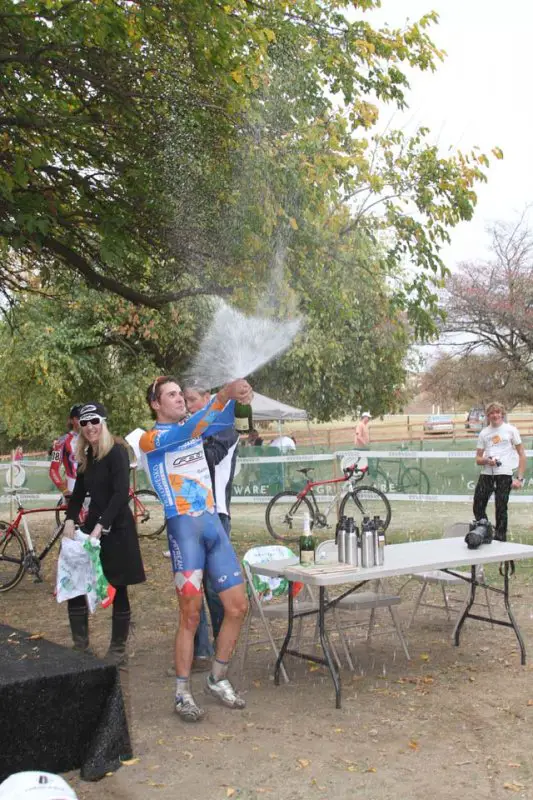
<point>489,322</point>
<point>124,123</point>
<point>474,379</point>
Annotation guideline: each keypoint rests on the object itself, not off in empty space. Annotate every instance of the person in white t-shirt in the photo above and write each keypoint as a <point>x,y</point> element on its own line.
<point>499,451</point>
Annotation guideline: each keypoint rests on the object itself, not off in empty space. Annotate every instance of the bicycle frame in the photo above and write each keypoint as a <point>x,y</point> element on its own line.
<point>309,486</point>
<point>20,517</point>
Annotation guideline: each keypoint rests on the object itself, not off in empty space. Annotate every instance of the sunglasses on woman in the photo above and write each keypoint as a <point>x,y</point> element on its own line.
<point>93,421</point>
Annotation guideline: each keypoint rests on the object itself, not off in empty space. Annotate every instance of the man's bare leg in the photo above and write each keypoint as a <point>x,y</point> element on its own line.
<point>235,607</point>
<point>186,705</point>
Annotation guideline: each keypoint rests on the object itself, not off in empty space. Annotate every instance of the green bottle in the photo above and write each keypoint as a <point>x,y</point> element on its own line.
<point>307,545</point>
<point>243,417</point>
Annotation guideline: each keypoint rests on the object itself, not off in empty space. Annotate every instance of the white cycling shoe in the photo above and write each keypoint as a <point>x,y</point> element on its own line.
<point>187,709</point>
<point>224,692</point>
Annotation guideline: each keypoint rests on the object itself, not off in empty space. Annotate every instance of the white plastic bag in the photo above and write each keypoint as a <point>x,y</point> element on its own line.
<point>75,571</point>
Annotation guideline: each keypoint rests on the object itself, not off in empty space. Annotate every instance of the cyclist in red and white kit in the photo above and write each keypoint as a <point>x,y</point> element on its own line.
<point>63,463</point>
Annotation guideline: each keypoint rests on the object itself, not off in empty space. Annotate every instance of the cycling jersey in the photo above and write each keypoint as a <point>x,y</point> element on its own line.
<point>179,473</point>
<point>62,455</point>
<point>176,460</point>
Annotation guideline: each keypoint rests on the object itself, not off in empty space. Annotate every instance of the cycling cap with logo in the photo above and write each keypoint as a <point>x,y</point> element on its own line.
<point>40,785</point>
<point>91,410</point>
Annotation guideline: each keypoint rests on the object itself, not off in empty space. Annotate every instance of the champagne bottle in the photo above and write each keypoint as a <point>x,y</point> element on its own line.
<point>307,544</point>
<point>243,417</point>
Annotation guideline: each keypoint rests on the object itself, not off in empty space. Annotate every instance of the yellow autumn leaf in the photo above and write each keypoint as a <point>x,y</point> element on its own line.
<point>230,791</point>
<point>238,75</point>
<point>513,787</point>
<point>371,769</point>
<point>293,223</point>
<point>424,657</point>
<point>413,745</point>
<point>303,762</point>
<point>130,761</point>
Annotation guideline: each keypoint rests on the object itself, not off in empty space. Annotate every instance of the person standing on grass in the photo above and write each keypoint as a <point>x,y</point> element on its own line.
<point>362,432</point>
<point>179,472</point>
<point>63,459</point>
<point>499,448</point>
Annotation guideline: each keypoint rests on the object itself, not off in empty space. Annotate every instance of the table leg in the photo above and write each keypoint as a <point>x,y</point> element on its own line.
<point>510,612</point>
<point>508,568</point>
<point>466,609</point>
<point>335,675</point>
<point>287,639</point>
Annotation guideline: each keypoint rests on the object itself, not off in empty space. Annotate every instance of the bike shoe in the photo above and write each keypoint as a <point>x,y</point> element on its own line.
<point>224,692</point>
<point>187,709</point>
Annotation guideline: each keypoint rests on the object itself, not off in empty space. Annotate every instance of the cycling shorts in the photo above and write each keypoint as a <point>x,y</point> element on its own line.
<point>200,543</point>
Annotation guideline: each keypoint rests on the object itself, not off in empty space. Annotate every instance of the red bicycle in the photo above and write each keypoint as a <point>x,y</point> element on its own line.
<point>17,553</point>
<point>146,508</point>
<point>286,511</point>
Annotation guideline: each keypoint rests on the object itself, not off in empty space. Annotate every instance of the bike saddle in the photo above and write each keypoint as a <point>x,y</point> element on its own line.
<point>305,470</point>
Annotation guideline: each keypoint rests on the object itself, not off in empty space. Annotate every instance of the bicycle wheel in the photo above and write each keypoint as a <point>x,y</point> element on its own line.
<point>60,511</point>
<point>12,553</point>
<point>284,516</point>
<point>380,480</point>
<point>366,501</point>
<point>148,512</point>
<point>414,481</point>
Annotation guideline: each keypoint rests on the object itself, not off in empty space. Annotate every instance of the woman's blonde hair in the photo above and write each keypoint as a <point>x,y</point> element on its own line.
<point>105,443</point>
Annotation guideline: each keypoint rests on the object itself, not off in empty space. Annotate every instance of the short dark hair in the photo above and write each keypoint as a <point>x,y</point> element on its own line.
<point>153,393</point>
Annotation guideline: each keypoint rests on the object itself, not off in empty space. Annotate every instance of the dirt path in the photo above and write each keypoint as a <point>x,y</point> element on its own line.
<point>454,722</point>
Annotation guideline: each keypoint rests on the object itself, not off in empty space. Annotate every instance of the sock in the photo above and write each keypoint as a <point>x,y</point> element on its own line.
<point>219,670</point>
<point>182,685</point>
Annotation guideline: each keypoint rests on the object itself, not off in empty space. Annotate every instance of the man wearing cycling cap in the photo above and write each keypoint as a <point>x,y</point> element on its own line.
<point>38,785</point>
<point>62,454</point>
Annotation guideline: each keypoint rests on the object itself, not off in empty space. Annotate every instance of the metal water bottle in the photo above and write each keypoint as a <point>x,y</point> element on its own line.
<point>341,539</point>
<point>380,553</point>
<point>350,552</point>
<point>367,545</point>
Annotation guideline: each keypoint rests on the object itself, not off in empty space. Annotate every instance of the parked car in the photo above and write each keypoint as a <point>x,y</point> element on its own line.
<point>475,420</point>
<point>438,423</point>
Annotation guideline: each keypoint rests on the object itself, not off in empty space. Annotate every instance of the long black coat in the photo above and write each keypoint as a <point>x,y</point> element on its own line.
<point>107,483</point>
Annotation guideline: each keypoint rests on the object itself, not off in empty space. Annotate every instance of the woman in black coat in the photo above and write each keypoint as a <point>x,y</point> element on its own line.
<point>103,474</point>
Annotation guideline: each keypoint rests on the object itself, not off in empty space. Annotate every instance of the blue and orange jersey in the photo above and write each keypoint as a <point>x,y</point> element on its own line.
<point>176,461</point>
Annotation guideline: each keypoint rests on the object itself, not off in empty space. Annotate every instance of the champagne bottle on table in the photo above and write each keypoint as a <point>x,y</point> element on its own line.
<point>243,417</point>
<point>307,544</point>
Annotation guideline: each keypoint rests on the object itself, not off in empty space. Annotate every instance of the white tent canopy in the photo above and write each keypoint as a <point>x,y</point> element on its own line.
<point>264,408</point>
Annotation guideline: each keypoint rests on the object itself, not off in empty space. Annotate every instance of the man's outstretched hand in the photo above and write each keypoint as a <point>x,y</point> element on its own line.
<point>239,390</point>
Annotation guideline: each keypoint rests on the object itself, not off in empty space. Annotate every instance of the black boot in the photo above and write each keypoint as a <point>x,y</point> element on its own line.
<point>120,627</point>
<point>79,626</point>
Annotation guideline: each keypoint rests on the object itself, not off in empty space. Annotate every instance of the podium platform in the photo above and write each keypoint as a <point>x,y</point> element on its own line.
<point>60,710</point>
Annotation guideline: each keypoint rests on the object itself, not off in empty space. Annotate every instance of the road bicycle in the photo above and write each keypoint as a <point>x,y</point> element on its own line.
<point>17,553</point>
<point>146,507</point>
<point>409,480</point>
<point>287,510</point>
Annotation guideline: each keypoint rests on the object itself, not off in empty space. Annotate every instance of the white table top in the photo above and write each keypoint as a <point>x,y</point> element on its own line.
<point>400,559</point>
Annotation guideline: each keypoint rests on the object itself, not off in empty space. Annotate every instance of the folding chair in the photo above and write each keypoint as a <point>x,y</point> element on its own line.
<point>263,591</point>
<point>446,581</point>
<point>363,601</point>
